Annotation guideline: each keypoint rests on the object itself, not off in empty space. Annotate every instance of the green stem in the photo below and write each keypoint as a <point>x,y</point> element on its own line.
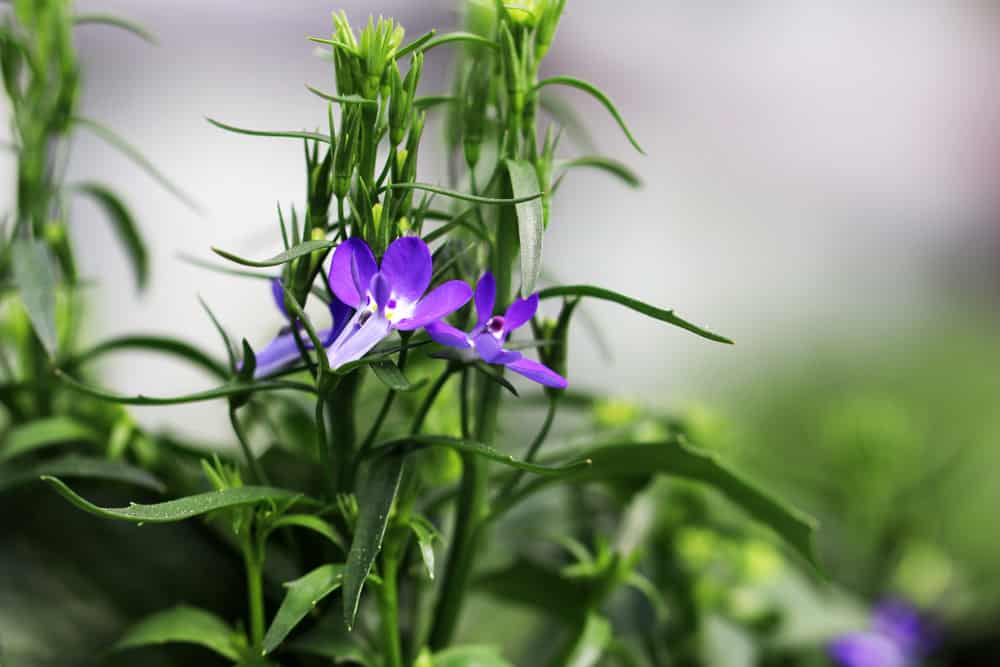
<point>253,558</point>
<point>256,472</point>
<point>388,599</point>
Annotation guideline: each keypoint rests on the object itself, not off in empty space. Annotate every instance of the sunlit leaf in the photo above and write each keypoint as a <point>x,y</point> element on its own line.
<point>187,625</point>
<point>36,283</point>
<point>597,94</point>
<point>530,222</point>
<point>302,596</point>
<point>125,228</point>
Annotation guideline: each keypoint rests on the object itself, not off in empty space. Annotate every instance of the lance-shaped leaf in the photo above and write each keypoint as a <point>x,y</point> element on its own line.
<point>391,376</point>
<point>151,343</point>
<point>124,225</point>
<point>530,222</point>
<point>642,461</point>
<point>224,391</point>
<point>426,535</point>
<point>308,522</point>
<point>467,37</point>
<point>415,44</point>
<point>281,258</point>
<point>289,134</point>
<point>115,22</point>
<point>17,473</point>
<point>46,432</point>
<point>374,502</point>
<point>302,596</point>
<point>464,196</point>
<point>186,625</point>
<point>605,164</point>
<point>667,316</point>
<point>414,443</point>
<point>599,95</point>
<point>181,508</point>
<point>470,656</point>
<point>36,283</point>
<point>343,99</point>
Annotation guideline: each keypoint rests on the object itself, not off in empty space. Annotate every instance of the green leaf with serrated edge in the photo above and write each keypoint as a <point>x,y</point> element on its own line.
<point>225,391</point>
<point>455,194</point>
<point>124,225</point>
<point>415,44</point>
<point>343,99</point>
<point>530,222</point>
<point>152,343</point>
<point>18,473</point>
<point>45,432</point>
<point>391,376</point>
<point>634,304</point>
<point>181,508</point>
<point>426,535</point>
<point>308,522</point>
<point>605,164</point>
<point>115,22</point>
<point>374,502</point>
<point>598,95</point>
<point>643,461</point>
<point>470,656</point>
<point>36,283</point>
<point>589,646</point>
<point>302,596</point>
<point>468,37</point>
<point>138,158</point>
<point>289,134</point>
<point>279,259</point>
<point>185,625</point>
<point>415,442</point>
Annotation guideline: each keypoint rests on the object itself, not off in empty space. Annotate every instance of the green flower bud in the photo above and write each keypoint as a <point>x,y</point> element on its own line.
<point>547,24</point>
<point>474,107</point>
<point>525,12</point>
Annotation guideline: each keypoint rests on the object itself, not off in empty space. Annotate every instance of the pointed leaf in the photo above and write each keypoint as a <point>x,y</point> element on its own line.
<point>597,94</point>
<point>115,22</point>
<point>459,36</point>
<point>290,134</point>
<point>426,535</point>
<point>634,304</point>
<point>182,624</point>
<point>391,376</point>
<point>302,596</point>
<point>36,283</point>
<point>124,226</point>
<point>343,99</point>
<point>530,222</point>
<point>45,432</point>
<point>224,391</point>
<point>455,194</point>
<point>605,164</point>
<point>415,44</point>
<point>309,522</point>
<point>282,257</point>
<point>17,473</point>
<point>152,343</point>
<point>416,442</point>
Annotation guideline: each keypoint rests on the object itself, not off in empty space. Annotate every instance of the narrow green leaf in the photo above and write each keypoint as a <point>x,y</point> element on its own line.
<point>597,94</point>
<point>309,522</point>
<point>392,377</point>
<point>18,473</point>
<point>45,432</point>
<point>224,391</point>
<point>374,501</point>
<point>115,22</point>
<point>643,461</point>
<point>530,222</point>
<point>416,442</point>
<point>431,101</point>
<point>343,99</point>
<point>36,283</point>
<point>470,656</point>
<point>180,508</point>
<point>186,625</point>
<point>226,341</point>
<point>415,44</point>
<point>454,194</point>
<point>634,304</point>
<point>591,644</point>
<point>605,164</point>
<point>468,37</point>
<point>281,258</point>
<point>302,596</point>
<point>152,343</point>
<point>568,118</point>
<point>290,134</point>
<point>124,225</point>
<point>219,268</point>
<point>426,535</point>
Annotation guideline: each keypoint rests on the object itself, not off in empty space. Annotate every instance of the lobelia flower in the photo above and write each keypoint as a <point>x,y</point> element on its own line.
<point>284,350</point>
<point>491,331</point>
<point>898,637</point>
<point>387,298</point>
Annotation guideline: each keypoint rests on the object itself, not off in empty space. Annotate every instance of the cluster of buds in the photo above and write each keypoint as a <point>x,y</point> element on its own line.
<point>362,63</point>
<point>402,93</point>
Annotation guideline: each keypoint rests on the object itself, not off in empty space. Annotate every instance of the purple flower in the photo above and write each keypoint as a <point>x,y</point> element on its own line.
<point>491,331</point>
<point>388,298</point>
<point>284,350</point>
<point>898,637</point>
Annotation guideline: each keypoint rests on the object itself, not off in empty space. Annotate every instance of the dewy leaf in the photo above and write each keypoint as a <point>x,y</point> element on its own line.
<point>36,284</point>
<point>290,134</point>
<point>124,226</point>
<point>187,625</point>
<point>643,461</point>
<point>281,258</point>
<point>415,442</point>
<point>392,377</point>
<point>374,502</point>
<point>181,508</point>
<point>17,473</point>
<point>530,222</point>
<point>426,535</point>
<point>591,644</point>
<point>303,594</point>
<point>45,432</point>
<point>115,22</point>
<point>597,94</point>
<point>634,304</point>
<point>605,164</point>
<point>152,343</point>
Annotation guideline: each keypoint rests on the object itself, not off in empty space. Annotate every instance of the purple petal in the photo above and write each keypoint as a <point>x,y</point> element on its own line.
<point>278,292</point>
<point>340,315</point>
<point>537,372</point>
<point>351,257</point>
<point>445,334</point>
<point>444,300</point>
<point>357,340</point>
<point>902,622</point>
<point>490,350</point>
<point>486,296</point>
<point>519,312</point>
<point>276,355</point>
<point>380,289</point>
<point>867,649</point>
<point>407,265</point>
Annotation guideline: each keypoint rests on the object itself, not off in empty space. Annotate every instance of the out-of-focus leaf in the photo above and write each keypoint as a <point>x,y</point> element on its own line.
<point>17,473</point>
<point>290,134</point>
<point>331,640</point>
<point>415,44</point>
<point>599,95</point>
<point>488,372</point>
<point>187,625</point>
<point>115,22</point>
<point>343,99</point>
<point>124,225</point>
<point>180,508</point>
<point>455,194</point>
<point>153,343</point>
<point>470,656</point>
<point>528,583</point>
<point>591,644</point>
<point>225,391</point>
<point>392,377</point>
<point>308,522</point>
<point>605,164</point>
<point>426,535</point>
<point>415,442</point>
<point>530,222</point>
<point>36,283</point>
<point>45,432</point>
<point>467,37</point>
<point>302,596</point>
<point>281,258</point>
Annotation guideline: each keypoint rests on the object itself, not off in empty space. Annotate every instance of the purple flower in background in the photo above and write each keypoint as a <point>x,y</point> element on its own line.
<point>491,331</point>
<point>387,298</point>
<point>898,637</point>
<point>284,350</point>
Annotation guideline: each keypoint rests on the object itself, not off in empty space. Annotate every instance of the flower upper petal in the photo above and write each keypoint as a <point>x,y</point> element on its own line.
<point>351,271</point>
<point>445,334</point>
<point>486,296</point>
<point>380,290</point>
<point>537,372</point>
<point>488,347</point>
<point>519,312</point>
<point>445,299</point>
<point>408,266</point>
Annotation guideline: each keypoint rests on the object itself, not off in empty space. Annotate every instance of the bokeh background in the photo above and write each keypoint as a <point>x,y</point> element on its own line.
<point>822,184</point>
